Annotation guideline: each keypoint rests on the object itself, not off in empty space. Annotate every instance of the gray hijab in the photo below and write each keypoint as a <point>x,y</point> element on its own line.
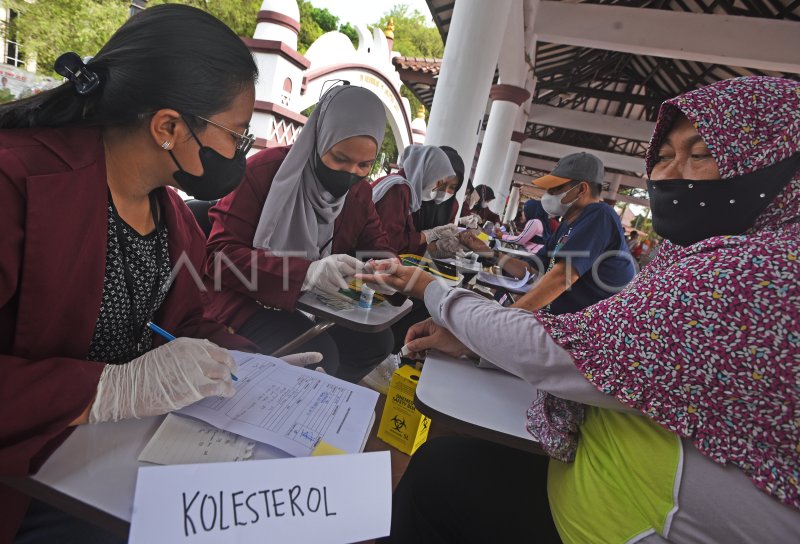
<point>424,165</point>
<point>299,213</point>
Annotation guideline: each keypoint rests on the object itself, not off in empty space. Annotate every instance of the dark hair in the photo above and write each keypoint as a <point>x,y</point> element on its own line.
<point>168,56</point>
<point>485,194</point>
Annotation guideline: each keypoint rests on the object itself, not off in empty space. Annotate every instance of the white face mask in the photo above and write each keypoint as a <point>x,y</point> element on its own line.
<point>552,203</point>
<point>484,204</point>
<point>438,196</point>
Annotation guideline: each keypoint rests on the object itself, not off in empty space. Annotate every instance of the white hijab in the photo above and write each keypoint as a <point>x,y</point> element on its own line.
<point>424,165</point>
<point>298,215</point>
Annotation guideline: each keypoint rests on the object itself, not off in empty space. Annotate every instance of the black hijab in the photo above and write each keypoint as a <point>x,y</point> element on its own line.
<point>432,214</point>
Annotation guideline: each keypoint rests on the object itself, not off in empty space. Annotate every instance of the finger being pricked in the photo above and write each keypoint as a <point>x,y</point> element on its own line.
<point>381,280</point>
<point>385,266</point>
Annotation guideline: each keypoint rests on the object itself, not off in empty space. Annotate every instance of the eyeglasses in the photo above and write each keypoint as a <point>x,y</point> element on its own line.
<point>245,141</point>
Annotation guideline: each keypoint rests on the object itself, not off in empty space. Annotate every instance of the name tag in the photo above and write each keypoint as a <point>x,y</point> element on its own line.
<point>339,498</point>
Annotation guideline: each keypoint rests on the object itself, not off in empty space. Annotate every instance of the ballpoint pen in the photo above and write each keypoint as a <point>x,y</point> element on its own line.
<point>170,337</point>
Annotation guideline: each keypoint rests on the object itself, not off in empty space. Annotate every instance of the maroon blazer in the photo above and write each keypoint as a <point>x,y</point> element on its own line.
<point>54,225</point>
<point>233,225</point>
<point>465,208</point>
<point>398,223</point>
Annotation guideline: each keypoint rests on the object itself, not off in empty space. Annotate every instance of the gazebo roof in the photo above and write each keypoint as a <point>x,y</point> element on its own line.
<point>624,85</point>
<point>419,74</point>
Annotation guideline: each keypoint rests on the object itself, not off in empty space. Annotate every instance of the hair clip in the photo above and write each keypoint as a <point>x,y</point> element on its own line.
<point>73,68</point>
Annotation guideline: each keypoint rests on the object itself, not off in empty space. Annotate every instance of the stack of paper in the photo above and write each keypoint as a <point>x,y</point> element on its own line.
<point>291,408</point>
<point>503,281</point>
<point>183,440</point>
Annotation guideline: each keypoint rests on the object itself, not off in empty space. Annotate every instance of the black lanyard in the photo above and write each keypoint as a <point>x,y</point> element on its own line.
<point>562,240</point>
<point>137,323</point>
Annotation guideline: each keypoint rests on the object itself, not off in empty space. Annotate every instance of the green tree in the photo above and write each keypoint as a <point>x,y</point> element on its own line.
<point>48,28</point>
<point>239,15</point>
<point>45,30</point>
<point>314,22</point>
<point>413,37</point>
<point>349,30</point>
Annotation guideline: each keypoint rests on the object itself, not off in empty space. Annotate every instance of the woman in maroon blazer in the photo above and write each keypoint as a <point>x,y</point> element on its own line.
<point>442,209</point>
<point>297,222</point>
<point>397,197</point>
<point>481,208</point>
<point>90,236</point>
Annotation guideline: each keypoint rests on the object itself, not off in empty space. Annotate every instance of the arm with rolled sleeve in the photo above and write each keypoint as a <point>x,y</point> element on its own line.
<point>513,340</point>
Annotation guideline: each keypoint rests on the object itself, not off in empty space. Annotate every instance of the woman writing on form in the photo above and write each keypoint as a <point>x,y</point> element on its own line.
<point>92,231</point>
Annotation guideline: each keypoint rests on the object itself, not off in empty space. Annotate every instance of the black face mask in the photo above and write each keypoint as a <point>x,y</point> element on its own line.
<point>335,182</point>
<point>688,211</point>
<point>220,175</point>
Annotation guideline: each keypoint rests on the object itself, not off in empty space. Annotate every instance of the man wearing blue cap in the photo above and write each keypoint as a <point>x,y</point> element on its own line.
<point>587,258</point>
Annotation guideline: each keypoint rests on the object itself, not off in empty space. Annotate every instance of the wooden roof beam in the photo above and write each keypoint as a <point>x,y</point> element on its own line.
<point>750,42</point>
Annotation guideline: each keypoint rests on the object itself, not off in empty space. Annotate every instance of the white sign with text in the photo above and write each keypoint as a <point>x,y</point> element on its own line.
<point>329,499</point>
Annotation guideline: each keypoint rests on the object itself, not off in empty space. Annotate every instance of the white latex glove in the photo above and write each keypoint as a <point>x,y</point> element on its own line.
<point>469,221</point>
<point>437,233</point>
<point>164,379</point>
<point>303,359</point>
<point>445,248</point>
<point>331,273</point>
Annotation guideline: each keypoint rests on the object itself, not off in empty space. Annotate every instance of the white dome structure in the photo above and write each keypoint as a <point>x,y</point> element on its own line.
<point>278,20</point>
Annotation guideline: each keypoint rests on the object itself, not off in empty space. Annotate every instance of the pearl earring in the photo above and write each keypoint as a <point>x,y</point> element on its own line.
<point>165,145</point>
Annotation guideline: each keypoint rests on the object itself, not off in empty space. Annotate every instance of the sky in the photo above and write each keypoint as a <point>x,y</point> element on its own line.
<point>368,11</point>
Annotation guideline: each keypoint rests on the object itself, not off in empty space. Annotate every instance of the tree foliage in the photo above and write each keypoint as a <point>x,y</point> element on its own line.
<point>239,15</point>
<point>45,30</point>
<point>314,22</point>
<point>412,38</point>
<point>412,35</point>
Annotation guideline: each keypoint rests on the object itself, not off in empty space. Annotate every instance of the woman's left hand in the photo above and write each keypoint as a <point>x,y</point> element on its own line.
<point>409,280</point>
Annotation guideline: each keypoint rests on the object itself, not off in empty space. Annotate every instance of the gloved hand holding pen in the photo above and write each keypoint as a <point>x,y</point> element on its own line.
<point>164,379</point>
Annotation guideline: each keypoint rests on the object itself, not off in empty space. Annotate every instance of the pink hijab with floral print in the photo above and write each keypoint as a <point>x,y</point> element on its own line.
<point>706,339</point>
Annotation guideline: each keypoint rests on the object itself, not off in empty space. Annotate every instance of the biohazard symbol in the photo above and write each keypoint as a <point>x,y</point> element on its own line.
<point>425,422</point>
<point>399,423</point>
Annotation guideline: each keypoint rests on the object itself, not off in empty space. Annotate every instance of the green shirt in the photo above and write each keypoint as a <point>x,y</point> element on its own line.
<point>622,483</point>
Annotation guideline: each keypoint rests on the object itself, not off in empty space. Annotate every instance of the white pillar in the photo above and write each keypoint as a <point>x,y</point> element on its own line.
<point>462,90</point>
<point>517,137</point>
<point>512,207</point>
<point>507,98</point>
<point>495,147</point>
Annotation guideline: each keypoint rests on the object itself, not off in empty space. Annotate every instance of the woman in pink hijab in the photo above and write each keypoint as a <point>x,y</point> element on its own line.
<point>670,411</point>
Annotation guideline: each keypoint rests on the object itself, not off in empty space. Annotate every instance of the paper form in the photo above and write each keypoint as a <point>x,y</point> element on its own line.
<point>183,440</point>
<point>502,281</point>
<point>289,407</point>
